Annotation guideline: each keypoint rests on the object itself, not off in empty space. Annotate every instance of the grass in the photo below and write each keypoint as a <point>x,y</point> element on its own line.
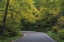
<point>54,36</point>
<point>10,39</point>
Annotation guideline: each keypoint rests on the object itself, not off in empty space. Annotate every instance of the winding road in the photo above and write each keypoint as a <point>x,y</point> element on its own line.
<point>32,36</point>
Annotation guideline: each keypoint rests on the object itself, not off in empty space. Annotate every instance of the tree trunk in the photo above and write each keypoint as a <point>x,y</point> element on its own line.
<point>5,16</point>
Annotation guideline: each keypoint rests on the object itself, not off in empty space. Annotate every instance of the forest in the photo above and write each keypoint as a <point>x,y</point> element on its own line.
<point>31,15</point>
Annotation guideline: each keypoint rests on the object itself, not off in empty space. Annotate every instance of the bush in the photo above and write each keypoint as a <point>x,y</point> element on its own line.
<point>61,34</point>
<point>12,29</point>
<point>54,36</point>
<point>55,29</point>
<point>10,32</point>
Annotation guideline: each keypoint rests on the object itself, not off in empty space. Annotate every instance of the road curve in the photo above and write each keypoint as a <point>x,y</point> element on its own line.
<point>32,36</point>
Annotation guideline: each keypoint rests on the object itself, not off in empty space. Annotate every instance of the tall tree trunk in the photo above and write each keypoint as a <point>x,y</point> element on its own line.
<point>5,16</point>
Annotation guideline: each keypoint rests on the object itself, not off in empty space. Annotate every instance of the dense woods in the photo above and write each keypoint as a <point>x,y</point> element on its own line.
<point>31,15</point>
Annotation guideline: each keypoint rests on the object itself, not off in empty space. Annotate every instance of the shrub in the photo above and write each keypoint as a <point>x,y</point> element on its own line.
<point>61,34</point>
<point>55,29</point>
<point>12,29</point>
<point>10,32</point>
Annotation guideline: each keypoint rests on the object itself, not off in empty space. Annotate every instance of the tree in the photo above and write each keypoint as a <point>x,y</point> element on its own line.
<point>5,16</point>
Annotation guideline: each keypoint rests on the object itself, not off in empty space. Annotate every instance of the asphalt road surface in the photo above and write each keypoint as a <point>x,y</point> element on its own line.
<point>32,36</point>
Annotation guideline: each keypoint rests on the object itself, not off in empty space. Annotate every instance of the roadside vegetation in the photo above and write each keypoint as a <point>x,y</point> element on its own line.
<point>31,15</point>
<point>57,36</point>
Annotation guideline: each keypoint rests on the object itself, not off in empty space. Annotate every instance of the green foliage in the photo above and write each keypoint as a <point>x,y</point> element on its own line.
<point>61,34</point>
<point>61,22</point>
<point>9,39</point>
<point>36,15</point>
<point>35,26</point>
<point>27,25</point>
<point>55,29</point>
<point>55,36</point>
<point>11,30</point>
